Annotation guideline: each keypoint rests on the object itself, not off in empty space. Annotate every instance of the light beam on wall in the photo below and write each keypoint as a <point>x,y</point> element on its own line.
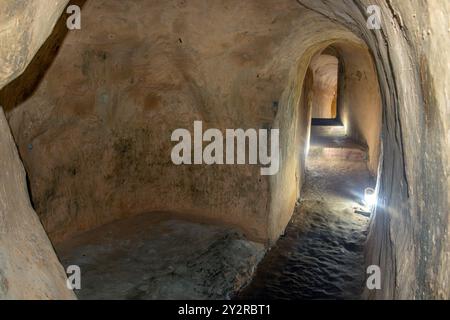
<point>370,197</point>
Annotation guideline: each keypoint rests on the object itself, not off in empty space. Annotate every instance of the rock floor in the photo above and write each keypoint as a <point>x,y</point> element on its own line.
<point>154,256</point>
<point>321,254</point>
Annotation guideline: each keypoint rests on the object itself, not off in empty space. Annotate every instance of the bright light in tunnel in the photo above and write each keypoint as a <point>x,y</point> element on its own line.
<point>345,129</point>
<point>370,197</point>
<point>308,145</point>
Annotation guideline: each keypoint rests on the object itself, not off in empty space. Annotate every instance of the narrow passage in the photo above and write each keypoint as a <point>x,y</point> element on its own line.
<point>321,254</point>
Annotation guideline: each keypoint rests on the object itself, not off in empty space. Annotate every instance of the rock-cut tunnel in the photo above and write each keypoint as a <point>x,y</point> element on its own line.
<point>87,180</point>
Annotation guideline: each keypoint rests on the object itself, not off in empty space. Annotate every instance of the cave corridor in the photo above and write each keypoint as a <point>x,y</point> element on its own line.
<point>209,150</point>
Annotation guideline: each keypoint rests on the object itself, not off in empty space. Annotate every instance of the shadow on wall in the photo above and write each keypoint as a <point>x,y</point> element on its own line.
<point>20,89</point>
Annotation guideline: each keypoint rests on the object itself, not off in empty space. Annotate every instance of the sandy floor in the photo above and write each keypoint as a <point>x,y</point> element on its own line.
<point>321,254</point>
<point>155,256</point>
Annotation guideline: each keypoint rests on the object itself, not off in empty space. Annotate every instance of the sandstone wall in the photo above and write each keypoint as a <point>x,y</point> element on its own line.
<point>94,134</point>
<point>360,105</point>
<point>25,25</point>
<point>98,147</point>
<point>29,268</point>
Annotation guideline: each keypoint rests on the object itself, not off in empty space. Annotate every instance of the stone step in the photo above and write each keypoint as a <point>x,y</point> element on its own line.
<point>331,142</point>
<point>328,131</point>
<point>344,153</point>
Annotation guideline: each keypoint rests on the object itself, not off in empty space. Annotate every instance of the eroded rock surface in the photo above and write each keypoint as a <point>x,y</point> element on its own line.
<point>29,268</point>
<point>24,26</point>
<point>152,256</point>
<point>94,133</point>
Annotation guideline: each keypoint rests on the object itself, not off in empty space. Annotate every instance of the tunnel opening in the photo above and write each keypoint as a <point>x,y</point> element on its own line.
<point>321,253</point>
<point>326,69</point>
